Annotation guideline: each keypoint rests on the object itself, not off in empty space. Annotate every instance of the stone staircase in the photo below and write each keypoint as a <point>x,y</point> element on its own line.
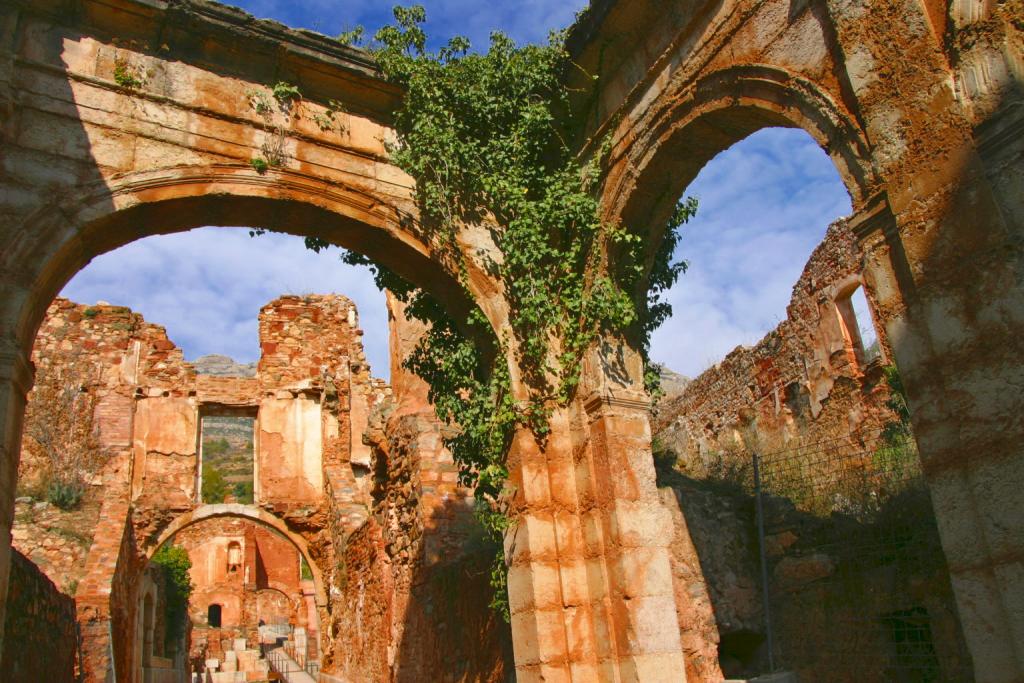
<point>239,664</point>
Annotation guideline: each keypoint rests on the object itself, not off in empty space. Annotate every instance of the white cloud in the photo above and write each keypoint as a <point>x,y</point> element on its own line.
<point>207,286</point>
<point>765,204</point>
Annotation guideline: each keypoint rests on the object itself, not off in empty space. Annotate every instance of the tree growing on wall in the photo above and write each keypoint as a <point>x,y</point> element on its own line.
<point>61,433</point>
<point>487,138</point>
<point>215,487</point>
<point>175,563</point>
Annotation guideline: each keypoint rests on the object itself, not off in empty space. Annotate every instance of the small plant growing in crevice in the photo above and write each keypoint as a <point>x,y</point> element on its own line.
<point>260,102</point>
<point>277,109</point>
<point>65,494</point>
<point>126,74</point>
<point>259,164</point>
<point>286,93</point>
<point>328,120</point>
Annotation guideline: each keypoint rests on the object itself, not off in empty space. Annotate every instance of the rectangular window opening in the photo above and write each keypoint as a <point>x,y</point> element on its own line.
<point>228,456</point>
<point>859,328</point>
<point>865,326</point>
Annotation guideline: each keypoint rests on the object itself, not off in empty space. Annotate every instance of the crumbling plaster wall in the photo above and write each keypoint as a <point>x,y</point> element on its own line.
<point>150,402</point>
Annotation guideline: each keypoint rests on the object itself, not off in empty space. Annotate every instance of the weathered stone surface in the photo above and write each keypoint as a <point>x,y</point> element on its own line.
<point>808,381</point>
<point>918,104</point>
<point>416,571</point>
<point>40,628</point>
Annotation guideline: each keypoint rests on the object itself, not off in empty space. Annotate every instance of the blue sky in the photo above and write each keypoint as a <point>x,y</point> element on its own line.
<point>524,20</point>
<point>764,205</point>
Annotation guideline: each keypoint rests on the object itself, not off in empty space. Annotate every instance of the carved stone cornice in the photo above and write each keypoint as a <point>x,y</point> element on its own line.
<point>874,218</point>
<point>598,401</point>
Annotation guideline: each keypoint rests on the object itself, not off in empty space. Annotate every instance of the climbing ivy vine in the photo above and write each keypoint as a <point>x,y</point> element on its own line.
<point>485,135</point>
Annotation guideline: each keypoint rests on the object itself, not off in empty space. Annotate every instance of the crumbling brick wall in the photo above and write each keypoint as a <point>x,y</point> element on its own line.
<point>804,382</point>
<point>413,578</point>
<point>148,408</point>
<point>40,634</point>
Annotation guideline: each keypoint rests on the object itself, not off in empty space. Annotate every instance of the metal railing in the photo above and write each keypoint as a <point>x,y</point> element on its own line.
<point>288,659</point>
<point>854,581</point>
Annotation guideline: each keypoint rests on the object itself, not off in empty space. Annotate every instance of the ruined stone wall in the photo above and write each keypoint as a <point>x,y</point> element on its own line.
<point>413,579</point>
<point>806,381</point>
<point>113,352</point>
<point>831,601</point>
<point>40,631</point>
<point>414,576</point>
<point>358,470</point>
<point>265,560</point>
<point>309,345</point>
<point>149,402</point>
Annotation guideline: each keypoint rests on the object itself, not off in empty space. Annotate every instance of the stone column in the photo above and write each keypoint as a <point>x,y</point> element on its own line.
<point>549,643</point>
<point>944,264</point>
<point>590,583</point>
<point>628,531</point>
<point>16,376</point>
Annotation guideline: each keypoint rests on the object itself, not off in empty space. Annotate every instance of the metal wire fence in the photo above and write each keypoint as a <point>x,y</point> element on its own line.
<point>855,582</point>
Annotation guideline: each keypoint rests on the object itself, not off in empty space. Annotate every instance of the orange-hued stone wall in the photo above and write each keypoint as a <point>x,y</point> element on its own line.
<point>251,572</point>
<point>414,594</point>
<point>355,472</point>
<point>918,104</point>
<point>149,403</point>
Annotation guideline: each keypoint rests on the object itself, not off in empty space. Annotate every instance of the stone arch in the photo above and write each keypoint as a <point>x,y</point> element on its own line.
<point>294,602</point>
<point>687,127</point>
<point>249,512</point>
<point>60,239</point>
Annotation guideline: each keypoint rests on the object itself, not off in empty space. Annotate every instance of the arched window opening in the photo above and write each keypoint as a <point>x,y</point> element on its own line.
<point>213,615</point>
<point>764,205</point>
